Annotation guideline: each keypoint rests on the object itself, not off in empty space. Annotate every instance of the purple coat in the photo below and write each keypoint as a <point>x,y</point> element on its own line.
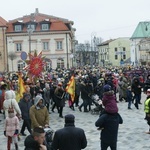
<point>109,102</point>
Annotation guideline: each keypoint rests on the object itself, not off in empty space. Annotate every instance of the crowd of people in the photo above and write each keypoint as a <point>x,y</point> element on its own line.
<point>48,94</point>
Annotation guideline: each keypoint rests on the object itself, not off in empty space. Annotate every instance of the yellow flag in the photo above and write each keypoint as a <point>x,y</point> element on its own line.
<point>71,88</point>
<point>21,87</point>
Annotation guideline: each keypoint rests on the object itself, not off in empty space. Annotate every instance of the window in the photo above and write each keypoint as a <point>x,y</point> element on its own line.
<point>59,45</point>
<point>116,56</point>
<point>60,63</point>
<point>48,66</point>
<point>45,45</point>
<point>124,54</point>
<point>18,28</point>
<point>45,27</point>
<point>18,47</point>
<point>20,65</point>
<point>31,26</point>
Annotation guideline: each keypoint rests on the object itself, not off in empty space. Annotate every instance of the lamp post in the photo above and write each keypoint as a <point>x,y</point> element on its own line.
<point>30,31</point>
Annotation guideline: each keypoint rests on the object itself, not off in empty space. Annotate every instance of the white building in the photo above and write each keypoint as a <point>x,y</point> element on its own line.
<point>53,36</point>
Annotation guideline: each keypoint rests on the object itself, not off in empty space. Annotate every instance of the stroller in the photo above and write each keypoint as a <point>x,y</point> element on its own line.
<point>98,103</point>
<point>49,137</point>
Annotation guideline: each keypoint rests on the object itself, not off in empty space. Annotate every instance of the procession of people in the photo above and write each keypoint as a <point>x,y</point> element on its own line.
<point>48,94</point>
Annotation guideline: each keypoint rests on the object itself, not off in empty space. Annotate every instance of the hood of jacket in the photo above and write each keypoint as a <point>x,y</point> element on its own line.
<point>10,94</point>
<point>37,99</point>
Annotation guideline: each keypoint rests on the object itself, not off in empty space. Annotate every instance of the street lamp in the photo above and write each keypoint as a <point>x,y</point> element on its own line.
<point>30,31</point>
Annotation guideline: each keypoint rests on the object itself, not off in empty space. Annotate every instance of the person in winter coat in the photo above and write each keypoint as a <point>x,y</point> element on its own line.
<point>38,113</point>
<point>59,98</point>
<point>84,95</point>
<point>147,84</point>
<point>137,90</point>
<point>77,92</point>
<point>147,109</point>
<point>46,93</point>
<point>3,87</point>
<point>11,129</point>
<point>25,104</point>
<point>10,101</point>
<point>35,141</point>
<point>109,100</point>
<point>109,124</point>
<point>69,137</point>
<point>129,97</point>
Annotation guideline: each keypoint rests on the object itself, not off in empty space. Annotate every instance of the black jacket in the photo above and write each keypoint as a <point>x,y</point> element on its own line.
<point>109,124</point>
<point>136,86</point>
<point>31,144</point>
<point>69,138</point>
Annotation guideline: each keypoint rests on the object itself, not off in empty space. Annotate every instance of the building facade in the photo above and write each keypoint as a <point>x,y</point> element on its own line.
<point>3,51</point>
<point>114,52</point>
<point>140,44</point>
<point>53,36</point>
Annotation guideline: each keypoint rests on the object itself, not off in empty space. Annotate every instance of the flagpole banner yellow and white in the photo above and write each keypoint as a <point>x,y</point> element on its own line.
<point>21,87</point>
<point>71,88</point>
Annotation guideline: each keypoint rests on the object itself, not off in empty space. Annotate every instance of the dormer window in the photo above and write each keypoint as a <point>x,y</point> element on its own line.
<point>45,26</point>
<point>18,28</point>
<point>31,26</point>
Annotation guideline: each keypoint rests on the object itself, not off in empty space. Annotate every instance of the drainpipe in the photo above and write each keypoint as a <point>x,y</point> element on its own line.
<point>7,65</point>
<point>4,49</point>
<point>67,52</point>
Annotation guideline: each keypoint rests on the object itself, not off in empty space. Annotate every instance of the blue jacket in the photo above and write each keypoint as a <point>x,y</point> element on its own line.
<point>25,107</point>
<point>109,123</point>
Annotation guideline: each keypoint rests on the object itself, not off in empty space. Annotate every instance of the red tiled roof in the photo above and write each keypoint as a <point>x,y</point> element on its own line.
<point>59,25</point>
<point>3,22</point>
<point>56,23</point>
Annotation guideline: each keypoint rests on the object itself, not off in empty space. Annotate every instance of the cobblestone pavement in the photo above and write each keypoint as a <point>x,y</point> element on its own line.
<point>131,133</point>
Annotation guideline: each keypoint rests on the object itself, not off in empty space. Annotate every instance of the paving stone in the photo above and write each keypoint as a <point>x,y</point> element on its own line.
<point>131,134</point>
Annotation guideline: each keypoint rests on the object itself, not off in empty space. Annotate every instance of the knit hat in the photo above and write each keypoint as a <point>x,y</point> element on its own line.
<point>148,92</point>
<point>107,88</point>
<point>26,95</point>
<point>69,118</point>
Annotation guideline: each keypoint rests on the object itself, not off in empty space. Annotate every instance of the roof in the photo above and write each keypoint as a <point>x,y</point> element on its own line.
<point>142,30</point>
<point>106,42</point>
<point>56,23</point>
<point>3,22</point>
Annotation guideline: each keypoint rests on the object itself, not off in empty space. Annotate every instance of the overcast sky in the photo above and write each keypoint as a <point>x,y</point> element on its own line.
<point>107,19</point>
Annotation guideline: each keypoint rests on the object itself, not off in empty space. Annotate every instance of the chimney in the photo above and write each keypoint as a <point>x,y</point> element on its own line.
<point>36,10</point>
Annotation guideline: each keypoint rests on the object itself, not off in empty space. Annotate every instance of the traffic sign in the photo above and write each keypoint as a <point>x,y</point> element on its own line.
<point>23,55</point>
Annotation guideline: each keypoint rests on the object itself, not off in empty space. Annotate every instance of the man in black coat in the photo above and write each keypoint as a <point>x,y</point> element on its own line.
<point>109,124</point>
<point>137,90</point>
<point>69,137</point>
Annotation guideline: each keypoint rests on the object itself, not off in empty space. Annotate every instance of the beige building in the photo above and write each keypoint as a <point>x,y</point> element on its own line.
<point>3,51</point>
<point>53,36</point>
<point>115,52</point>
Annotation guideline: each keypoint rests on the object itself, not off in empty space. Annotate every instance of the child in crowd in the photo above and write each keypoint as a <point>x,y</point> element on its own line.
<point>11,129</point>
<point>129,97</point>
<point>109,100</point>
